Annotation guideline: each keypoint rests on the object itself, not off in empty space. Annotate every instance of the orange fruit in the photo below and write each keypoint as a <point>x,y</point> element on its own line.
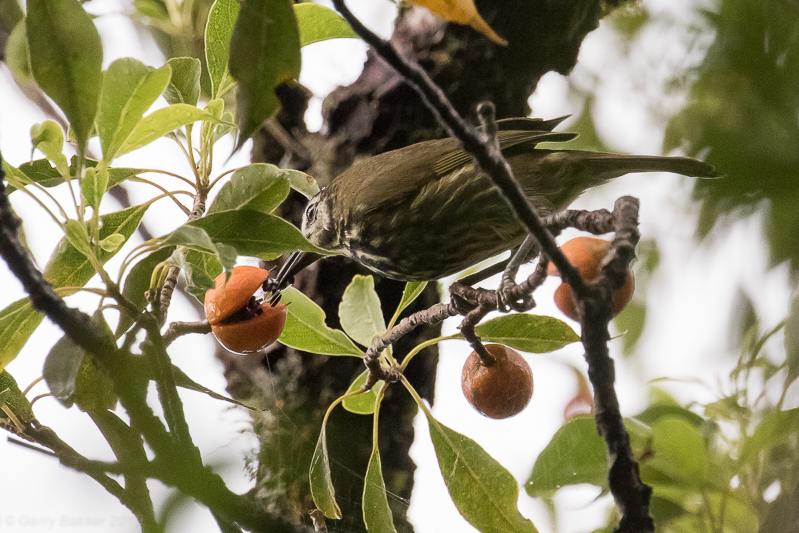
<point>501,390</point>
<point>240,322</point>
<point>587,255</point>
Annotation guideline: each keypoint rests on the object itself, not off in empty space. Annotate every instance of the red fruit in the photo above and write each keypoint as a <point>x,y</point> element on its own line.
<point>587,255</point>
<point>501,390</point>
<point>240,322</point>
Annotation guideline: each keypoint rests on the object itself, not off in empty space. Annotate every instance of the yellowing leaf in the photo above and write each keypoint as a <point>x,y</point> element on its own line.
<point>462,12</point>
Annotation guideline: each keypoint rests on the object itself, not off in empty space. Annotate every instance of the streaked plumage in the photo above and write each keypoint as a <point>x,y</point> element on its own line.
<point>422,212</point>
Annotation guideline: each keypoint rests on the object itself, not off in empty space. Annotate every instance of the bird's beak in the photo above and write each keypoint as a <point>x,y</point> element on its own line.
<point>296,262</point>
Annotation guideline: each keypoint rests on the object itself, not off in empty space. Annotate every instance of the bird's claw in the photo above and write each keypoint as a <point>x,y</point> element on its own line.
<point>507,300</point>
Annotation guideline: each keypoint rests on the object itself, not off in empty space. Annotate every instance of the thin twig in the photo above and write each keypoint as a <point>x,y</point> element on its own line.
<point>178,329</point>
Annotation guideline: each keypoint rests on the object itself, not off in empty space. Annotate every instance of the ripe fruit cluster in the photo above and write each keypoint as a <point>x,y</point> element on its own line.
<point>501,390</point>
<point>587,255</point>
<point>240,322</point>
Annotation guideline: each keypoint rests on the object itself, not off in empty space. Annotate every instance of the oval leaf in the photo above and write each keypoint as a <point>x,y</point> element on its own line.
<point>319,23</point>
<point>61,369</point>
<point>376,512</point>
<point>679,451</point>
<point>17,56</point>
<point>136,284</point>
<point>129,89</point>
<point>322,491</point>
<point>159,123</point>
<point>255,234</point>
<point>576,454</point>
<point>66,59</point>
<point>364,403</point>
<point>200,270</point>
<point>529,333</point>
<point>184,86</point>
<point>68,267</point>
<point>360,313</point>
<point>264,52</point>
<point>18,321</point>
<point>306,329</point>
<point>259,187</point>
<point>48,138</point>
<point>218,31</point>
<point>302,182</point>
<point>11,398</point>
<point>484,492</point>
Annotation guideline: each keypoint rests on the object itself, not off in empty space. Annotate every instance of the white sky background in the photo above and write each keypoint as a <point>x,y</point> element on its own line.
<point>690,298</point>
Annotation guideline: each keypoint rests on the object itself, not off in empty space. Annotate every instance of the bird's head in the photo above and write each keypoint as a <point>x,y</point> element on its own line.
<point>318,224</point>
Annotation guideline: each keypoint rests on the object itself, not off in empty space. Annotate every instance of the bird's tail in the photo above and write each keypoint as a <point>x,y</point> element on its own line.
<point>609,166</point>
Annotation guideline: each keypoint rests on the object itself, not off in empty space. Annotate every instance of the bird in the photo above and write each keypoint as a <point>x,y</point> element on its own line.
<point>424,212</point>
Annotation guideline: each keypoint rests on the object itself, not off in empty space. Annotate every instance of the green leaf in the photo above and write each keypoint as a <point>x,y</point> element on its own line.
<point>215,109</point>
<point>364,403</point>
<point>68,267</point>
<point>73,376</point>
<point>11,398</point>
<point>258,187</point>
<point>376,512</point>
<point>264,52</point>
<point>61,369</point>
<point>318,23</point>
<point>576,454</point>
<point>42,172</point>
<point>48,138</point>
<point>129,89</point>
<point>184,381</point>
<point>94,390</point>
<point>78,237</point>
<point>17,323</point>
<point>411,292</point>
<point>652,414</point>
<point>17,56</point>
<point>66,59</point>
<point>137,282</point>
<point>184,87</point>
<point>198,239</point>
<point>159,123</point>
<point>93,186</point>
<point>322,491</point>
<point>302,182</point>
<point>152,8</point>
<point>529,333</point>
<point>630,322</point>
<point>16,179</point>
<point>483,491</point>
<point>112,243</point>
<point>360,313</point>
<point>774,430</point>
<point>679,451</point>
<point>255,234</point>
<point>306,329</point>
<point>201,270</point>
<point>218,31</point>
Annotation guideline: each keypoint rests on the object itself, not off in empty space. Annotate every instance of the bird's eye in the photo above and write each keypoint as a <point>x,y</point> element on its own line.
<point>310,212</point>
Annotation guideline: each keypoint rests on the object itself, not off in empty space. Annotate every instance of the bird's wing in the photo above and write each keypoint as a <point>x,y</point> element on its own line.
<point>388,179</point>
<point>507,139</point>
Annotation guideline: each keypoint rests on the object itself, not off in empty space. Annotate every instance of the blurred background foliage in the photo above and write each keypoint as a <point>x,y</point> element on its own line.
<point>742,115</point>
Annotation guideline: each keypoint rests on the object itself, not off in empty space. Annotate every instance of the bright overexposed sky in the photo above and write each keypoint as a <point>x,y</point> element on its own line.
<point>690,298</point>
